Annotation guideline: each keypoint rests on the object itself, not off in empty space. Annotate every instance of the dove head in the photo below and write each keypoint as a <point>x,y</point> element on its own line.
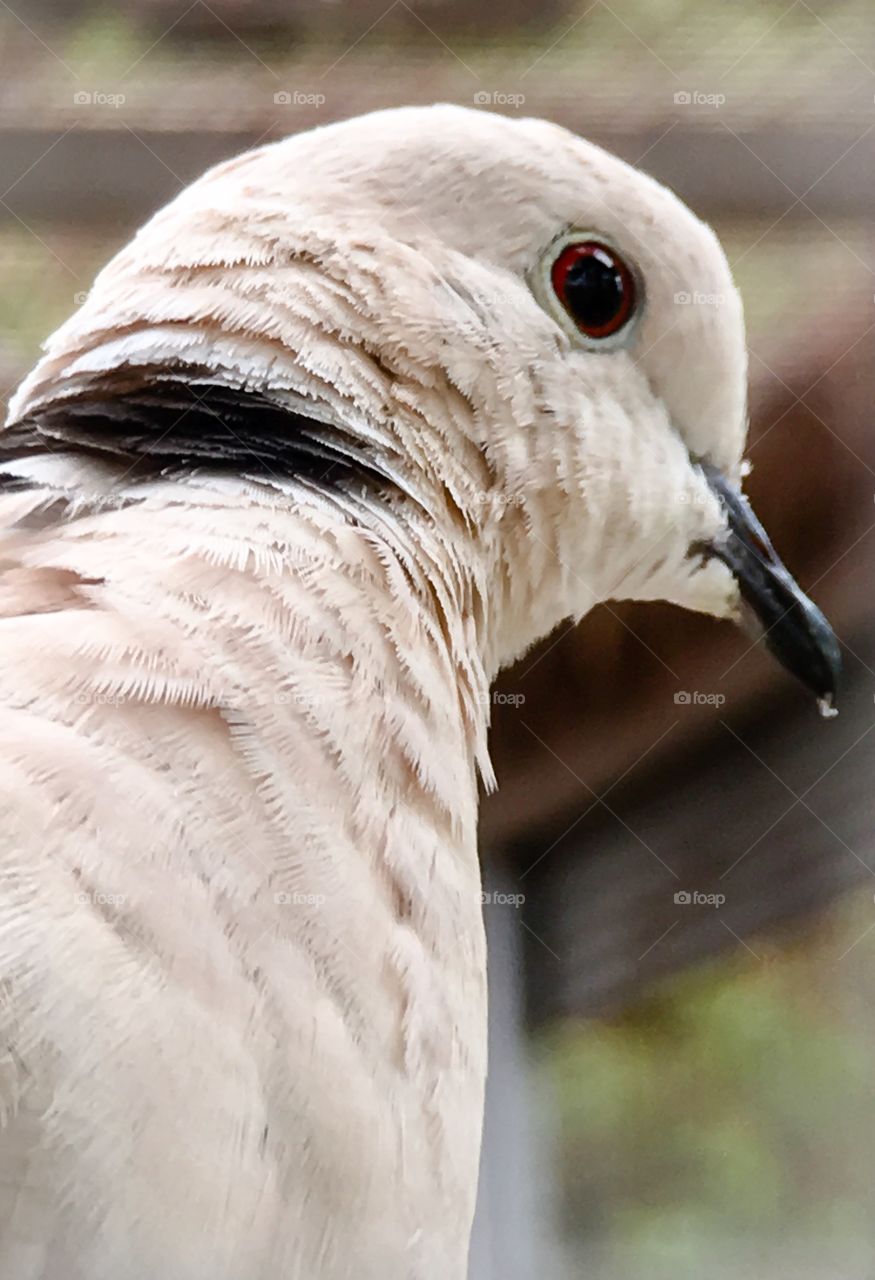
<point>532,348</point>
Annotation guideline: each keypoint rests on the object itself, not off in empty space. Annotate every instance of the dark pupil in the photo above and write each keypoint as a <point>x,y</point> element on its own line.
<point>594,291</point>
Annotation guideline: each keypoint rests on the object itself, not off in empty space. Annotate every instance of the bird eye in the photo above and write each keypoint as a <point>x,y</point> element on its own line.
<point>595,287</point>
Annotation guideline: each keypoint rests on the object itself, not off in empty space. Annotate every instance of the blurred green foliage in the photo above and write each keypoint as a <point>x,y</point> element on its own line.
<point>43,275</point>
<point>732,1105</point>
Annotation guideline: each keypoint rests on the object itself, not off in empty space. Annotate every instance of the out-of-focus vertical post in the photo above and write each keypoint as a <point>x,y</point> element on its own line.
<point>513,1236</point>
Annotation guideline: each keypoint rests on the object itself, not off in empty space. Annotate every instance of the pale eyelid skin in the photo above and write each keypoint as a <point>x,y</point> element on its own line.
<point>541,285</point>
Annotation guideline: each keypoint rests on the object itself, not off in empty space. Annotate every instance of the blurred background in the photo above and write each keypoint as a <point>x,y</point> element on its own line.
<point>681,861</point>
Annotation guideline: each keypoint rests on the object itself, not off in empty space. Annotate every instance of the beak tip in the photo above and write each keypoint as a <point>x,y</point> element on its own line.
<point>794,629</point>
<point>806,646</point>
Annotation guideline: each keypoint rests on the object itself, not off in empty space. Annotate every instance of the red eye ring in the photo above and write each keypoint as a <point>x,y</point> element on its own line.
<point>595,287</point>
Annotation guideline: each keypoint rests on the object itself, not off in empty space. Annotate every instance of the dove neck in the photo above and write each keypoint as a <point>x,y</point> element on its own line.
<point>371,618</point>
<point>411,596</point>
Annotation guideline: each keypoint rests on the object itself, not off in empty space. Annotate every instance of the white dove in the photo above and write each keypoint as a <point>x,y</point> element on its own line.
<point>352,422</point>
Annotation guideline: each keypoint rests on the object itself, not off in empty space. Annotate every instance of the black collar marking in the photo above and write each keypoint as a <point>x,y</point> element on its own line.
<point>174,426</point>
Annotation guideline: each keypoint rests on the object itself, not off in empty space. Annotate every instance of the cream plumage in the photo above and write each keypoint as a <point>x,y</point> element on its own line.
<point>314,459</point>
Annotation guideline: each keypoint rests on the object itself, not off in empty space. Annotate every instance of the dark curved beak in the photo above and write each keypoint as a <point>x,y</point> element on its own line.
<point>790,625</point>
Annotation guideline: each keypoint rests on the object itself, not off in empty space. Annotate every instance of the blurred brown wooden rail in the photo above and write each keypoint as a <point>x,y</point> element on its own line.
<point>107,175</point>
